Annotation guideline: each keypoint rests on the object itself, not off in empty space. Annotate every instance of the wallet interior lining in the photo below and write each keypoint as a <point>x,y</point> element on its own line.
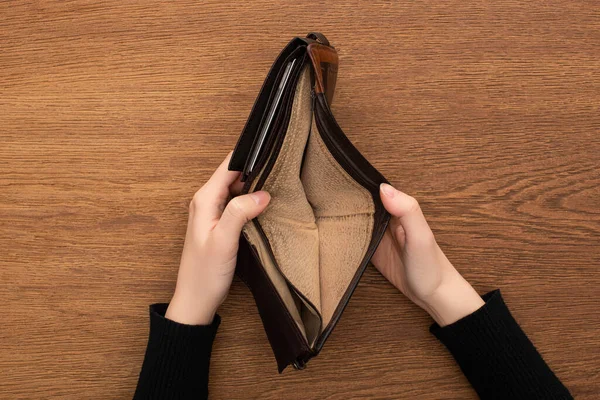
<point>319,222</point>
<point>289,299</point>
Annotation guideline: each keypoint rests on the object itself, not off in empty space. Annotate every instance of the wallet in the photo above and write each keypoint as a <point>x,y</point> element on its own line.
<point>303,256</point>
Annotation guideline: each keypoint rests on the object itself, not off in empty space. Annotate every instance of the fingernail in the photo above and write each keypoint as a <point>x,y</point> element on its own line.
<point>259,197</point>
<point>388,190</point>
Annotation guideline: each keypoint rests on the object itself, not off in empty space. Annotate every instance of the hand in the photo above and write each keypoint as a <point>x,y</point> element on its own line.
<point>211,245</point>
<point>410,258</point>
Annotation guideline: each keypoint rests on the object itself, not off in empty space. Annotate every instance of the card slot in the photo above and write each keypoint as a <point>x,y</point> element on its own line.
<point>243,147</point>
<point>263,142</point>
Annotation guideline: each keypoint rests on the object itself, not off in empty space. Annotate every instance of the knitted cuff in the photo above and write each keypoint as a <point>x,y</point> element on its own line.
<point>497,357</point>
<point>177,358</point>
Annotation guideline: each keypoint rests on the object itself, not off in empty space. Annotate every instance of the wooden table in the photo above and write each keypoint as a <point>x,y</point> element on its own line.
<point>113,113</point>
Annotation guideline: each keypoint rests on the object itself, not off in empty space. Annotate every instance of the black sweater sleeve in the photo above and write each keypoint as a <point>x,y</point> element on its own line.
<point>497,357</point>
<point>491,349</point>
<point>177,358</point>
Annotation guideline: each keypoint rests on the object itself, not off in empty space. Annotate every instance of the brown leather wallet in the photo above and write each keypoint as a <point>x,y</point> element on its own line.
<point>303,256</point>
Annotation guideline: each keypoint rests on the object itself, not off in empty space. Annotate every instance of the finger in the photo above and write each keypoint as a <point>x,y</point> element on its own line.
<point>236,187</point>
<point>240,210</point>
<point>406,212</point>
<point>222,177</point>
<point>215,192</point>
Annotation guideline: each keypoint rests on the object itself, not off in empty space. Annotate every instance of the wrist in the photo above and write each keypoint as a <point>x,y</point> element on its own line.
<point>453,300</point>
<point>188,310</point>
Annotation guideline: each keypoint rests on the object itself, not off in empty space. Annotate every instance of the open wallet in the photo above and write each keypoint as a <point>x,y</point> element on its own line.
<point>303,256</point>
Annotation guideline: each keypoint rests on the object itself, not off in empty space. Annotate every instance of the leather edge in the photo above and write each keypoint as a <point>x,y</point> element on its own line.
<point>325,65</point>
<point>246,138</point>
<point>318,37</point>
<point>381,219</point>
<point>380,224</point>
<point>284,336</point>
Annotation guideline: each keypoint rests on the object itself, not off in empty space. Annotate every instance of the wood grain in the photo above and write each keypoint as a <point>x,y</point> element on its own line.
<point>113,113</point>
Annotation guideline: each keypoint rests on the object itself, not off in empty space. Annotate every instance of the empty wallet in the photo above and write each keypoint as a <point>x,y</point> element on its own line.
<point>303,256</point>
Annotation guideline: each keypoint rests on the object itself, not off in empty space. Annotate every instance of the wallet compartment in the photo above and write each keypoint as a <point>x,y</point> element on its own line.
<point>325,218</point>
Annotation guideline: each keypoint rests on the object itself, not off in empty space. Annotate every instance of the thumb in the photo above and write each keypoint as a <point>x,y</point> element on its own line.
<point>240,210</point>
<point>406,212</point>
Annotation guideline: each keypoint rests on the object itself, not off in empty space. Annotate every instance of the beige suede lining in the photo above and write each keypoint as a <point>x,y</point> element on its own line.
<point>319,222</point>
<point>274,275</point>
